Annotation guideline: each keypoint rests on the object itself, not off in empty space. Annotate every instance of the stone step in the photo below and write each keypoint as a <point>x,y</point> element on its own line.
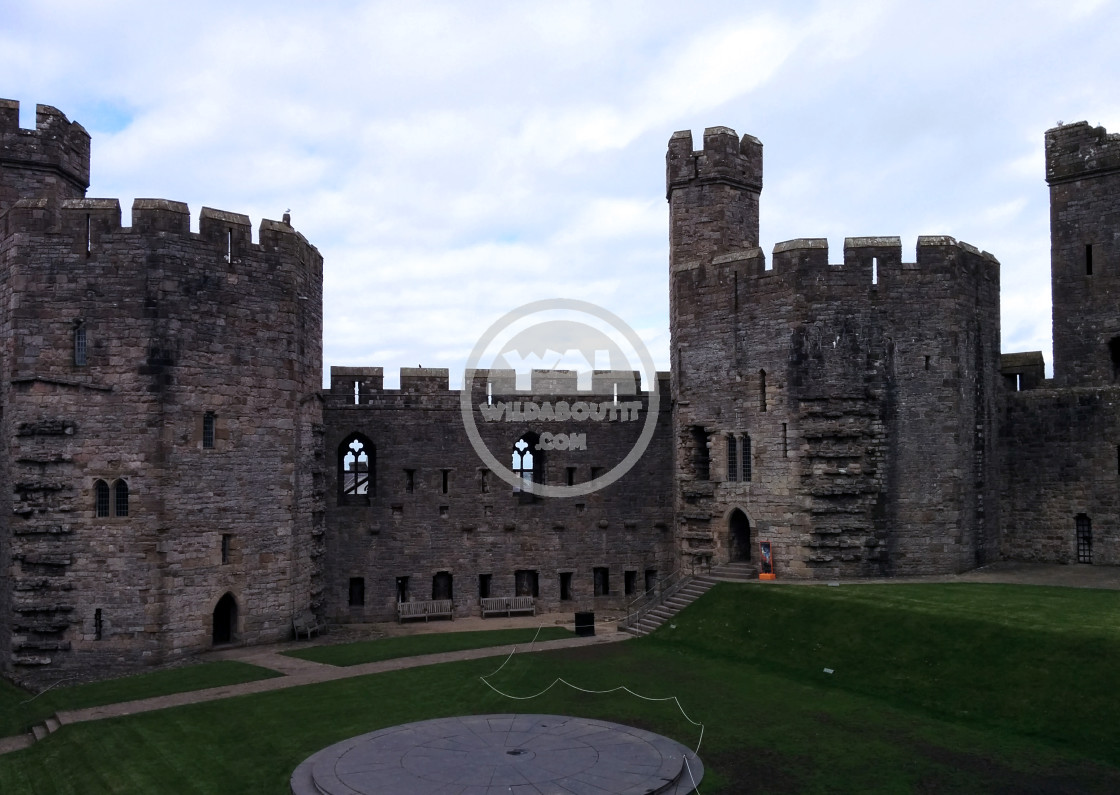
<point>53,725</point>
<point>40,731</point>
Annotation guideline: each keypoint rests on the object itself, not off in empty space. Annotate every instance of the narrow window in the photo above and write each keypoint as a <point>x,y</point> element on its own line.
<point>357,393</point>
<point>446,473</point>
<point>874,271</point>
<point>785,440</point>
<point>89,235</point>
<point>629,582</point>
<point>927,362</point>
<point>602,576</point>
<point>402,590</point>
<point>229,245</point>
<point>1088,259</point>
<point>120,498</point>
<point>732,459</point>
<point>565,586</point>
<point>526,583</point>
<point>484,586</point>
<point>410,480</point>
<point>1118,459</point>
<point>80,357</point>
<point>1084,530</point>
<point>356,457</point>
<point>651,580</point>
<point>227,540</point>
<point>746,458</point>
<point>357,591</point>
<point>484,480</point>
<point>571,476</point>
<point>762,390</point>
<point>101,498</point>
<point>208,421</point>
<point>489,393</point>
<point>700,452</point>
<point>523,461</point>
<point>98,625</point>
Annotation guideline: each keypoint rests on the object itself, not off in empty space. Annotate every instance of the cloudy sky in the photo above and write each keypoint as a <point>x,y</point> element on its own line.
<point>454,160</point>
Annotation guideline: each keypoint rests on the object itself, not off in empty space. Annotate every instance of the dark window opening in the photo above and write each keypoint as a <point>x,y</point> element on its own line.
<point>402,590</point>
<point>1114,355</point>
<point>629,582</point>
<point>227,541</point>
<point>484,586</point>
<point>101,498</point>
<point>356,469</point>
<point>747,469</point>
<point>208,421</point>
<point>409,480</point>
<point>357,595</point>
<point>120,498</point>
<point>927,362</point>
<point>762,390</point>
<point>732,459</point>
<point>98,625</point>
<point>1084,530</point>
<point>565,586</point>
<point>596,472</point>
<point>526,583</point>
<point>1118,459</point>
<point>80,358</point>
<point>1088,259</point>
<point>442,585</point>
<point>739,536</point>
<point>651,579</point>
<point>571,476</point>
<point>602,576</point>
<point>701,455</point>
<point>785,440</point>
<point>446,473</point>
<point>484,480</point>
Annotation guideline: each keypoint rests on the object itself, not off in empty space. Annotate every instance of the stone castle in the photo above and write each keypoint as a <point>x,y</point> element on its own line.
<point>173,476</point>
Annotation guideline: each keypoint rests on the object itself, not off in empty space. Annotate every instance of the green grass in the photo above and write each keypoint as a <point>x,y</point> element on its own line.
<point>346,654</point>
<point>943,688</point>
<point>19,710</point>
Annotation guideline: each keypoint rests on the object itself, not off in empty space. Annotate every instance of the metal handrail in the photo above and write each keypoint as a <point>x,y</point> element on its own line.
<point>666,587</point>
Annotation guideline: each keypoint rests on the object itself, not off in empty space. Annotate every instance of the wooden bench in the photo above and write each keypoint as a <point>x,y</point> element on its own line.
<point>435,608</point>
<point>305,624</point>
<point>508,605</point>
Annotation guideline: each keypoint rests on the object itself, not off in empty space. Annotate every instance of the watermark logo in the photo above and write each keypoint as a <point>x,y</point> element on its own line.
<point>585,367</point>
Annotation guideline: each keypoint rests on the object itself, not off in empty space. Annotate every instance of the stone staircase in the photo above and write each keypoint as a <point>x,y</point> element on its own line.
<point>694,587</point>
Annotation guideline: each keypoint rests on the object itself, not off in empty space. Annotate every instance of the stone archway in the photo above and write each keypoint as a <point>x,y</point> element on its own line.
<point>225,620</point>
<point>738,536</point>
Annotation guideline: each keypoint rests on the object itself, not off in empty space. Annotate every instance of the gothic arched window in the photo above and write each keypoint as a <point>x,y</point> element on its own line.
<point>355,469</point>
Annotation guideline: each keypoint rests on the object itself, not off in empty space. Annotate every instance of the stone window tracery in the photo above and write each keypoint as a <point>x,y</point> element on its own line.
<point>356,469</point>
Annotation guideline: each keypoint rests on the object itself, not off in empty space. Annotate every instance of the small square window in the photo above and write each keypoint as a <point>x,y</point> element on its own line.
<point>357,591</point>
<point>227,543</point>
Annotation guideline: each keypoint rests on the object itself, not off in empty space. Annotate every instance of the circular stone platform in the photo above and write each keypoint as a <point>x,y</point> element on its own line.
<point>492,754</point>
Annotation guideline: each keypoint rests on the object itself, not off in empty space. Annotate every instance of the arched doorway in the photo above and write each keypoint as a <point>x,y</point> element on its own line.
<point>441,586</point>
<point>739,536</point>
<point>225,620</point>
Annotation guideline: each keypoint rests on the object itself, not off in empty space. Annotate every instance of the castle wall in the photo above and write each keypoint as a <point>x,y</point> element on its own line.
<point>867,391</point>
<point>1061,451</point>
<point>176,326</point>
<point>50,161</point>
<point>434,506</point>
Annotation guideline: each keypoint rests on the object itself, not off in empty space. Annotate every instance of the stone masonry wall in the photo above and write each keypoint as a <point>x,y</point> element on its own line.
<point>867,390</point>
<point>51,160</point>
<point>435,506</point>
<point>172,333</point>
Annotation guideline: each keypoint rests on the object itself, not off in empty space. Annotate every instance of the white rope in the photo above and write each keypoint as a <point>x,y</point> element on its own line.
<point>559,680</point>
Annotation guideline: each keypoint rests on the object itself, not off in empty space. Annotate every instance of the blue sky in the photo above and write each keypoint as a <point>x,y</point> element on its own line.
<point>453,161</point>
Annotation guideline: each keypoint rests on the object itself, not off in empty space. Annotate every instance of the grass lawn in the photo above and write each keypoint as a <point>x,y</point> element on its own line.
<point>414,645</point>
<point>20,710</point>
<point>939,688</point>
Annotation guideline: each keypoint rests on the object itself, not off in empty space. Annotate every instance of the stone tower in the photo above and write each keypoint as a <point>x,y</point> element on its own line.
<point>1083,171</point>
<point>846,413</point>
<point>161,421</point>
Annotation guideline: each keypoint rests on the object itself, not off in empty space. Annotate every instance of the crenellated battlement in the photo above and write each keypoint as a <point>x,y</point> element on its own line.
<point>725,158</point>
<point>869,263</point>
<point>357,385</point>
<point>51,160</point>
<point>95,227</point>
<point>1078,150</point>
